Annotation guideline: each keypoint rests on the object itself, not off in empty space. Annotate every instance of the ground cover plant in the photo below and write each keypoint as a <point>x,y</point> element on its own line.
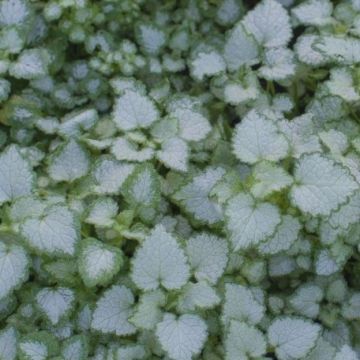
<point>179,179</point>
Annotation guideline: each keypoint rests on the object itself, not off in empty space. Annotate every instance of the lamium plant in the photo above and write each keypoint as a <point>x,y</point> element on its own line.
<point>179,180</point>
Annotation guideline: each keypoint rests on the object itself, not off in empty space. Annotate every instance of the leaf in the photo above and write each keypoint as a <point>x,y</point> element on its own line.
<point>301,135</point>
<point>194,196</point>
<point>244,342</point>
<point>142,187</point>
<point>278,64</point>
<point>192,124</point>
<point>208,256</point>
<point>74,123</point>
<point>197,296</point>
<point>31,64</point>
<point>174,154</point>
<point>284,237</point>
<point>182,337</point>
<point>26,206</point>
<point>149,312</point>
<point>340,50</point>
<point>236,93</point>
<point>14,264</point>
<point>250,223</point>
<point>75,348</point>
<point>269,23</point>
<point>98,262</point>
<point>54,233</point>
<point>102,212</point>
<point>113,310</point>
<point>14,12</point>
<point>314,12</point>
<point>37,346</point>
<point>342,84</point>
<point>70,162</point>
<point>16,175</point>
<point>159,262</point>
<point>257,138</point>
<point>321,185</point>
<point>240,48</point>
<point>131,352</point>
<point>305,51</point>
<point>292,338</point>
<point>123,149</point>
<point>269,178</point>
<point>55,303</point>
<point>151,38</point>
<point>347,214</point>
<point>241,304</point>
<point>206,63</point>
<point>8,342</point>
<point>346,353</point>
<point>110,174</point>
<point>306,300</point>
<point>134,110</point>
<point>335,141</point>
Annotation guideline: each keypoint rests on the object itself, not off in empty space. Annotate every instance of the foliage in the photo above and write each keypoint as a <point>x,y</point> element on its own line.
<point>179,179</point>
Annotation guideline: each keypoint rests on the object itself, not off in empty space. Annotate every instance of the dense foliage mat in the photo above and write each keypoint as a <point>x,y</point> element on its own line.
<point>179,179</point>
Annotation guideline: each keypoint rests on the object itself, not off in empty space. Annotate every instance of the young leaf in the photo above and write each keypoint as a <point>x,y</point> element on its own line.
<point>14,12</point>
<point>75,348</point>
<point>55,303</point>
<point>160,262</point>
<point>240,48</point>
<point>268,179</point>
<point>174,154</point>
<point>148,312</point>
<point>134,110</point>
<point>278,65</point>
<point>194,197</point>
<point>183,337</point>
<point>142,187</point>
<point>98,262</point>
<point>113,310</point>
<point>207,62</point>
<point>306,300</point>
<point>347,214</point>
<point>14,264</point>
<point>31,64</point>
<point>8,342</point>
<point>292,338</point>
<point>314,12</point>
<point>285,236</point>
<point>131,352</point>
<point>54,233</point>
<point>257,138</point>
<point>241,304</point>
<point>244,342</point>
<point>109,175</point>
<point>341,50</point>
<point>74,123</point>
<point>38,346</point>
<point>301,135</point>
<point>16,175</point>
<point>321,185</point>
<point>346,353</point>
<point>208,256</point>
<point>70,162</point>
<point>123,149</point>
<point>250,223</point>
<point>192,124</point>
<point>197,296</point>
<point>269,23</point>
<point>102,212</point>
